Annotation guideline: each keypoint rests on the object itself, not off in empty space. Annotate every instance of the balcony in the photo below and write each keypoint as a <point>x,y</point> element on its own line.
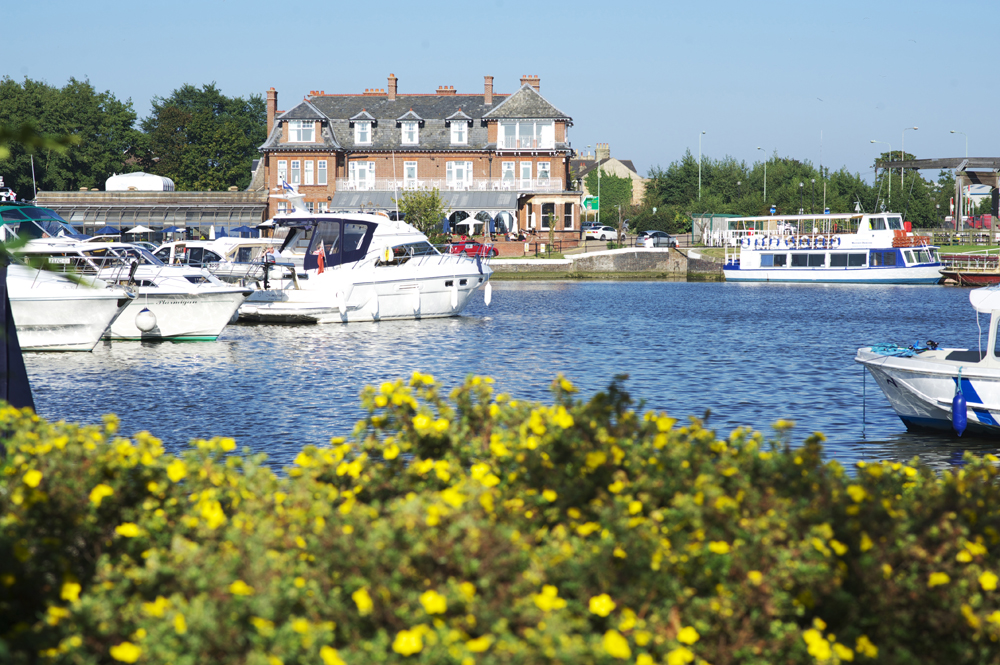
<point>512,143</point>
<point>442,185</point>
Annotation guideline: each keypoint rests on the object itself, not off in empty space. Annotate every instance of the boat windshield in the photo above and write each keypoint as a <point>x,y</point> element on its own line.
<point>895,223</point>
<point>106,255</point>
<point>422,248</point>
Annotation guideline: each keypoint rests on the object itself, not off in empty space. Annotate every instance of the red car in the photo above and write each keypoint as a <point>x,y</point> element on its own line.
<point>473,248</point>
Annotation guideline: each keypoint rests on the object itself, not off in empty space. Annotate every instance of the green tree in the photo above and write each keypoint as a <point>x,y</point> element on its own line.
<point>202,139</point>
<point>615,192</point>
<point>423,209</point>
<point>102,128</point>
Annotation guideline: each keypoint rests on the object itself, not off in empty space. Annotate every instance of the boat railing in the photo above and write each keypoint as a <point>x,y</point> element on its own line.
<point>984,260</point>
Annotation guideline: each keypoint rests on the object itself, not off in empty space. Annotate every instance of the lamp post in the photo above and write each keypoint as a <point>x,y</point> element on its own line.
<point>890,173</point>
<point>598,195</point>
<point>802,208</point>
<point>966,141</point>
<point>739,189</point>
<point>699,165</point>
<point>902,155</point>
<point>765,174</point>
<point>812,206</point>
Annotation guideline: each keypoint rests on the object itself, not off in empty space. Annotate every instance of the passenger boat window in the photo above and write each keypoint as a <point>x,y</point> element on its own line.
<point>908,255</point>
<point>838,260</point>
<point>800,260</point>
<point>883,259</point>
<point>244,254</point>
<point>877,223</point>
<point>857,260</point>
<point>194,255</point>
<point>767,260</point>
<point>896,223</point>
<point>780,260</point>
<point>163,254</point>
<point>817,260</point>
<point>923,256</point>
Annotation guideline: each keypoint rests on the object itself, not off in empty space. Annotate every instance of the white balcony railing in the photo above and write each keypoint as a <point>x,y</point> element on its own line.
<point>426,184</point>
<point>511,143</point>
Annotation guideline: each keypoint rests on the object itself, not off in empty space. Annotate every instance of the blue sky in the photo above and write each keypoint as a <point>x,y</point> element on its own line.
<point>645,77</point>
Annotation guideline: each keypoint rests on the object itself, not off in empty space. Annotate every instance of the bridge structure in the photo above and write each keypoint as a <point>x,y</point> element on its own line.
<point>968,171</point>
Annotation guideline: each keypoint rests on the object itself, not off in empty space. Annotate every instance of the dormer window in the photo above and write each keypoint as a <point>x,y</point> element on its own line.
<point>411,132</point>
<point>300,131</point>
<point>459,133</point>
<point>362,132</point>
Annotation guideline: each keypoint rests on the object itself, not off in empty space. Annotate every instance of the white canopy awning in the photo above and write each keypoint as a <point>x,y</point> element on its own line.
<point>140,229</point>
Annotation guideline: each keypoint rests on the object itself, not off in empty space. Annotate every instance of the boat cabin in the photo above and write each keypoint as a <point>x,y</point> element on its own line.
<point>339,240</point>
<point>28,222</point>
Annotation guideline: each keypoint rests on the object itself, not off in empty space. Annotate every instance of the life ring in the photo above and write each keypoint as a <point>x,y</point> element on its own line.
<point>745,242</point>
<point>838,241</point>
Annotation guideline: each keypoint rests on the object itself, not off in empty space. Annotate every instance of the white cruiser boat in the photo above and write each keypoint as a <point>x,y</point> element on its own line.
<point>174,302</point>
<point>364,267</point>
<point>54,313</point>
<point>922,384</point>
<point>230,259</point>
<point>861,248</point>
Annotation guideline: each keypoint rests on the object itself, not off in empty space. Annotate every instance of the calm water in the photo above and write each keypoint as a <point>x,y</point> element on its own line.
<point>749,353</point>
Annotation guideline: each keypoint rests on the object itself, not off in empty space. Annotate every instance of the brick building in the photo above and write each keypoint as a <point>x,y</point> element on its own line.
<point>499,156</point>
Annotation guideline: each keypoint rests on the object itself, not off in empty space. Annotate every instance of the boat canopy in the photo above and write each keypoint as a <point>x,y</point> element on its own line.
<point>340,240</point>
<point>985,300</point>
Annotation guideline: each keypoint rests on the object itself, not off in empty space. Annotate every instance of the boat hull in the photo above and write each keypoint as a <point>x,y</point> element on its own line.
<point>55,322</point>
<point>911,275</point>
<point>181,316</point>
<point>921,392</point>
<point>971,278</point>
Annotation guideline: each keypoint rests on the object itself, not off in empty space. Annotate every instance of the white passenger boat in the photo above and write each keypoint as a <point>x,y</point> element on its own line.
<point>853,248</point>
<point>922,384</point>
<point>54,313</point>
<point>174,302</point>
<point>230,259</point>
<point>364,267</point>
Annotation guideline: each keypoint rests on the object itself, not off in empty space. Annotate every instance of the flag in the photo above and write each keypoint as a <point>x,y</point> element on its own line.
<point>320,257</point>
<point>286,187</point>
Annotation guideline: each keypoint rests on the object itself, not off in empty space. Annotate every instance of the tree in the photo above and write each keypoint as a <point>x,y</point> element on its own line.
<point>202,139</point>
<point>423,209</point>
<point>615,192</point>
<point>102,128</point>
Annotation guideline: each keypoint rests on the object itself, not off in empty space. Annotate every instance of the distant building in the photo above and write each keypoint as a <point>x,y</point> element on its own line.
<point>138,182</point>
<point>505,156</point>
<point>622,168</point>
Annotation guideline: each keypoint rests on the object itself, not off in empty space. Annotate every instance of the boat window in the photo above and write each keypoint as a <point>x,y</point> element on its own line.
<point>767,260</point>
<point>933,255</point>
<point>800,260</point>
<point>244,255</point>
<point>327,233</point>
<point>908,255</point>
<point>857,260</point>
<point>163,254</point>
<point>143,255</point>
<point>896,223</point>
<point>357,238</point>
<point>780,260</point>
<point>11,215</point>
<point>817,260</point>
<point>877,223</point>
<point>884,259</point>
<point>838,260</point>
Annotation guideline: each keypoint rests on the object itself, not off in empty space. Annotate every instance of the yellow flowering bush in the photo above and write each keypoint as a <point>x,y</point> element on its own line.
<point>475,528</point>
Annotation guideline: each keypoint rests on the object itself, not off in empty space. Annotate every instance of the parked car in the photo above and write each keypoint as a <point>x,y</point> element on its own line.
<point>473,248</point>
<point>602,233</point>
<point>659,238</point>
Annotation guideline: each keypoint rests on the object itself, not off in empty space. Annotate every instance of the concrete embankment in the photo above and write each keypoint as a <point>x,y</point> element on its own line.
<point>636,263</point>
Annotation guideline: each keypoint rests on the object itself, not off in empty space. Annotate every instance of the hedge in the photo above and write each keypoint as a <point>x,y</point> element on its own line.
<point>474,528</point>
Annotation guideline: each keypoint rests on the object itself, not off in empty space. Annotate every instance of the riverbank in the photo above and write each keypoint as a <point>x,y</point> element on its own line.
<point>633,263</point>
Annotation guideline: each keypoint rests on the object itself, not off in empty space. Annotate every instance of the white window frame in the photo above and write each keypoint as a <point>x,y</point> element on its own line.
<point>410,127</point>
<point>544,168</point>
<point>309,206</point>
<point>451,170</point>
<point>307,172</point>
<point>295,174</point>
<point>508,168</point>
<point>459,132</point>
<point>282,207</point>
<point>409,174</point>
<point>321,172</point>
<point>525,183</point>
<point>361,175</point>
<point>282,170</point>
<point>363,128</point>
<point>301,131</point>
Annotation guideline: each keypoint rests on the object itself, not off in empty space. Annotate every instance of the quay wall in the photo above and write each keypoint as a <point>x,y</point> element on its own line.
<point>634,262</point>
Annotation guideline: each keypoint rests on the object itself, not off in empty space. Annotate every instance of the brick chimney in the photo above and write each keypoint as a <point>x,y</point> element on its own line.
<point>392,87</point>
<point>446,90</point>
<point>603,151</point>
<point>533,81</point>
<point>374,92</point>
<point>488,91</point>
<point>272,108</point>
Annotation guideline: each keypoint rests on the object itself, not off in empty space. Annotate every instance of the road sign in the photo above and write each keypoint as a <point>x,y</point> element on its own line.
<point>591,203</point>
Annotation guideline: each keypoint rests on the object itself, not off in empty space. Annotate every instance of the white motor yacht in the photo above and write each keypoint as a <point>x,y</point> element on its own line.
<point>230,259</point>
<point>944,388</point>
<point>364,267</point>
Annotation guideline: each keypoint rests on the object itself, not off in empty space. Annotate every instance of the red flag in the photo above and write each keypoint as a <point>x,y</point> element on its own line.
<point>320,257</point>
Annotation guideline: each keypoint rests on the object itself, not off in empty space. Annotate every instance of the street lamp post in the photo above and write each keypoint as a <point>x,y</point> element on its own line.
<point>802,208</point>
<point>890,172</point>
<point>739,189</point>
<point>966,141</point>
<point>765,174</point>
<point>812,206</point>
<point>902,155</point>
<point>699,165</point>
<point>598,195</point>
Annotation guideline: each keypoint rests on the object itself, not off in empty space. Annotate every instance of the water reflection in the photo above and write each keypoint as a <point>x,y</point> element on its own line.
<point>752,353</point>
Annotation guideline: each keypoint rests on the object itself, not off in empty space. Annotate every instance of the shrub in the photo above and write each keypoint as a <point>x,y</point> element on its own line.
<point>481,529</point>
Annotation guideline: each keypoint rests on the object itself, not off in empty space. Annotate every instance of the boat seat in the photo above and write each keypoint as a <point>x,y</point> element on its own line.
<point>966,356</point>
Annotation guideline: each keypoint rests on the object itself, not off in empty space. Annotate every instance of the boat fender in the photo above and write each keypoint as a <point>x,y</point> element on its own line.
<point>454,294</point>
<point>959,411</point>
<point>342,301</point>
<point>488,294</point>
<point>386,256</point>
<point>145,320</point>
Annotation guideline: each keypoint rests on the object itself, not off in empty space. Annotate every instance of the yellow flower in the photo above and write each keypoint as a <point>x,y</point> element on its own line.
<point>241,588</point>
<point>857,493</point>
<point>157,607</point>
<point>330,656</point>
<point>688,635</point>
<point>180,624</point>
<point>818,647</point>
<point>176,470</point>
<point>128,529</point>
<point>433,602</point>
<point>988,581</point>
<point>616,487</point>
<point>602,605</point>
<point>126,652</point>
<point>866,542</point>
<point>635,507</point>
<point>70,591</point>
<point>679,656</point>
<point>644,659</point>
<point>755,577</point>
<point>300,626</point>
<point>865,647</point>
<point>408,642</point>
<point>549,599</point>
<point>468,590</point>
<point>616,645</point>
<point>391,451</point>
<point>843,653</point>
<point>549,495</point>
<point>32,478</point>
<point>562,418</point>
<point>263,626</point>
<point>719,547</point>
<point>363,601</point>
<point>963,557</point>
<point>937,579</point>
<point>480,644</point>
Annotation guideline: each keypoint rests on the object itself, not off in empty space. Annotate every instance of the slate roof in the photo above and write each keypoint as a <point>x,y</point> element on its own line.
<point>526,103</point>
<point>409,115</point>
<point>303,111</point>
<point>581,167</point>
